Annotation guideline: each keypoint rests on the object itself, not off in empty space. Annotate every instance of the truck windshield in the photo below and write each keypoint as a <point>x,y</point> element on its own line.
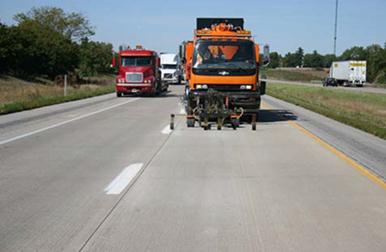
<point>220,55</point>
<point>136,61</point>
<point>169,66</point>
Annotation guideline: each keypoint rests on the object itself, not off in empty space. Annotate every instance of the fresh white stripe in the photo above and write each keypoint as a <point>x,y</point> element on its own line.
<point>166,130</point>
<point>64,122</point>
<point>123,179</point>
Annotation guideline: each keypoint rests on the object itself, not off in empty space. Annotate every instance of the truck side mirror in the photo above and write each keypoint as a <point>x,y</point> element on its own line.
<point>257,53</point>
<point>158,62</point>
<point>263,84</point>
<point>266,58</point>
<point>113,62</point>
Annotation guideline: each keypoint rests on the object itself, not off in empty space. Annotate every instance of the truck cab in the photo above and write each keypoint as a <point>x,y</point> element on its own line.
<point>169,68</point>
<point>138,72</point>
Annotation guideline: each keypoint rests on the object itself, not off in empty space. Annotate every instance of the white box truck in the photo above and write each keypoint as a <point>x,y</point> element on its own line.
<point>351,72</point>
<point>169,68</point>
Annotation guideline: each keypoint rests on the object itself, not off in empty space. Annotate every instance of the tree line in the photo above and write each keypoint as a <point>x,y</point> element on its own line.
<point>49,42</point>
<point>375,55</point>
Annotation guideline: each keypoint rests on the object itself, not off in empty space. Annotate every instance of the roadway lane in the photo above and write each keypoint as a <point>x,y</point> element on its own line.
<point>275,189</point>
<point>52,183</point>
<point>365,89</point>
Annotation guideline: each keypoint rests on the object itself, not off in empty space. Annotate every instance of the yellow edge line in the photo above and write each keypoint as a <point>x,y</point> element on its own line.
<point>365,172</point>
<point>373,177</point>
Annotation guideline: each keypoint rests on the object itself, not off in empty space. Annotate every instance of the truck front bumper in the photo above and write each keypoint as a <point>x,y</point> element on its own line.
<point>132,88</point>
<point>170,80</point>
<point>249,101</point>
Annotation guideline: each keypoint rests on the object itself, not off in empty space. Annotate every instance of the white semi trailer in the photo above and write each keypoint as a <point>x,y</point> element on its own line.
<point>351,72</point>
<point>169,68</point>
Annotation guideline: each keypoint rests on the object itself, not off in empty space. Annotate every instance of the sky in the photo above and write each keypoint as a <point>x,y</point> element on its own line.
<point>283,24</point>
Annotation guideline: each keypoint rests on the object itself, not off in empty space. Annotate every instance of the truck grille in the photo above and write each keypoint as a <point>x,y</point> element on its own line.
<point>134,77</point>
<point>225,87</point>
<point>168,75</point>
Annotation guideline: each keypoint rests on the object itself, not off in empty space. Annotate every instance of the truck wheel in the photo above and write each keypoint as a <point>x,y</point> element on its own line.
<point>235,123</point>
<point>219,123</point>
<point>119,94</point>
<point>190,123</point>
<point>254,119</point>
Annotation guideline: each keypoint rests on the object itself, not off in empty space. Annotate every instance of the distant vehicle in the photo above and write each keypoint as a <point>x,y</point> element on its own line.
<point>348,73</point>
<point>329,82</point>
<point>138,72</point>
<point>169,68</point>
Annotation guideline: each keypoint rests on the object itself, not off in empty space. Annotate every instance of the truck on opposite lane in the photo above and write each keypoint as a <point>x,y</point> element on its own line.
<point>348,73</point>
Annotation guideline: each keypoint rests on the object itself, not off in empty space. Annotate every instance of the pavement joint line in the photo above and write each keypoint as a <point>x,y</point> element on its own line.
<point>65,122</point>
<point>361,169</point>
<point>127,189</point>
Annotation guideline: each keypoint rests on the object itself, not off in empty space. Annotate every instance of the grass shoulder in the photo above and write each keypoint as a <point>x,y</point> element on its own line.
<point>18,94</point>
<point>365,111</point>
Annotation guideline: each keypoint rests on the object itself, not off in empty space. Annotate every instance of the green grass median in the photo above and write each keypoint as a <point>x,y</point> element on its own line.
<point>45,100</point>
<point>365,111</point>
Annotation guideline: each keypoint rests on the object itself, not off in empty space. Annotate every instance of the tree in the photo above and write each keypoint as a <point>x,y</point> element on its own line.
<point>38,50</point>
<point>328,59</point>
<point>95,57</point>
<point>275,60</point>
<point>313,60</point>
<point>72,25</point>
<point>294,59</point>
<point>4,48</point>
<point>299,57</point>
<point>354,53</point>
<point>376,61</point>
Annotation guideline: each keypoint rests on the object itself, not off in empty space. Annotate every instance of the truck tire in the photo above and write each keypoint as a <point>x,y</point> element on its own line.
<point>119,94</point>
<point>190,123</point>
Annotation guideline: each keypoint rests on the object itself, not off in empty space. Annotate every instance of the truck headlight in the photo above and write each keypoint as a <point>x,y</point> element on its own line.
<point>248,87</point>
<point>202,86</point>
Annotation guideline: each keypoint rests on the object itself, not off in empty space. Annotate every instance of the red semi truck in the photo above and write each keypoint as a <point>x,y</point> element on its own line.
<point>138,72</point>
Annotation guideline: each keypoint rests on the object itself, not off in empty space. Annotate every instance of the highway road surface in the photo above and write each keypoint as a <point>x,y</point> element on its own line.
<point>107,174</point>
<point>366,89</point>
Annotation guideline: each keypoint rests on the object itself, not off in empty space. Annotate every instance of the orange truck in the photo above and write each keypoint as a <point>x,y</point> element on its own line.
<point>221,67</point>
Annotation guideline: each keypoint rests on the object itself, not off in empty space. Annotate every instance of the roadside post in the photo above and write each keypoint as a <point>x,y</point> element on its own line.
<point>65,85</point>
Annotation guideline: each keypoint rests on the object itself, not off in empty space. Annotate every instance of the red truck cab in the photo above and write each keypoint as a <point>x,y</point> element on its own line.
<point>138,72</point>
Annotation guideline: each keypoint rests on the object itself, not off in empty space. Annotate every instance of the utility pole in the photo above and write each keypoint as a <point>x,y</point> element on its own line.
<point>336,25</point>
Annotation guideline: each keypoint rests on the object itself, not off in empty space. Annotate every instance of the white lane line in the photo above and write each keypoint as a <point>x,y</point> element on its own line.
<point>182,111</point>
<point>123,179</point>
<point>166,130</point>
<point>64,122</point>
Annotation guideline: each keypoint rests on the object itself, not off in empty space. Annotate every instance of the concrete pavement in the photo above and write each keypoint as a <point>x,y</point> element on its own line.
<point>275,189</point>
